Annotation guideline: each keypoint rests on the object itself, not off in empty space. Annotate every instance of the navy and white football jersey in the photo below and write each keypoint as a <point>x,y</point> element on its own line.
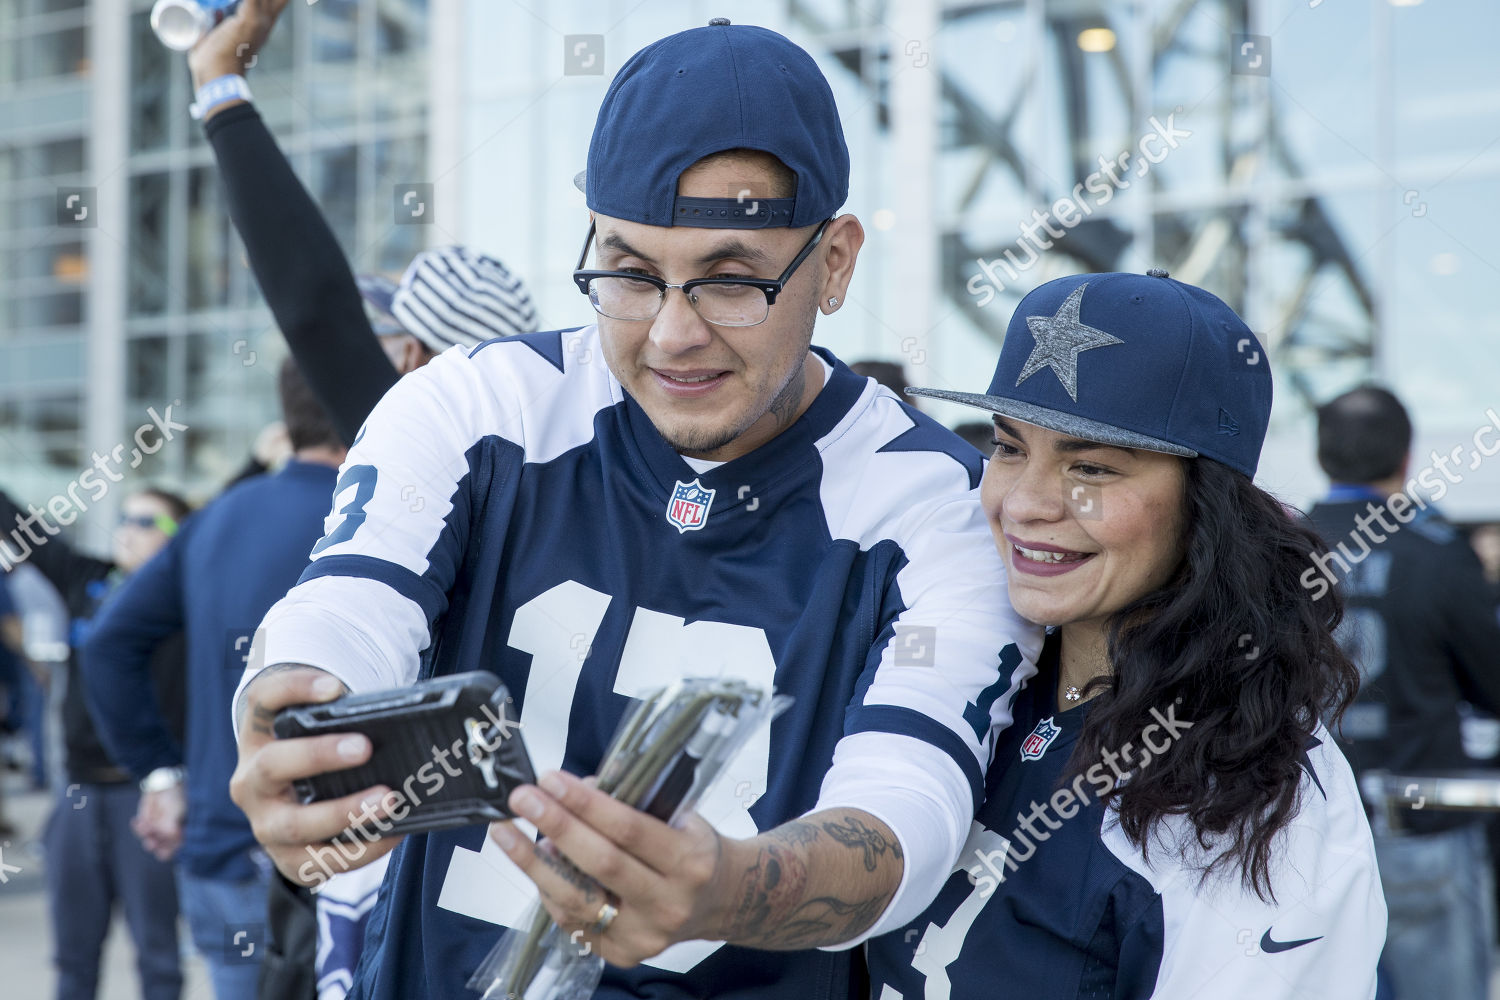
<point>511,509</point>
<point>1050,901</point>
<point>343,905</point>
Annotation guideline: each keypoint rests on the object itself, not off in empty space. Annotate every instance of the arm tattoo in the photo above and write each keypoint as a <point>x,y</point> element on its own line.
<point>772,884</point>
<point>261,717</point>
<point>796,833</point>
<point>825,920</point>
<point>771,904</point>
<point>854,833</point>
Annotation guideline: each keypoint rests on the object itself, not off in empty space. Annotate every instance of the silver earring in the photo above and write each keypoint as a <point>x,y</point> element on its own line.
<point>833,301</point>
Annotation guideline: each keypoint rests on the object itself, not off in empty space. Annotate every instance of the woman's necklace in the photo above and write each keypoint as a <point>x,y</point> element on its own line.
<point>1069,692</point>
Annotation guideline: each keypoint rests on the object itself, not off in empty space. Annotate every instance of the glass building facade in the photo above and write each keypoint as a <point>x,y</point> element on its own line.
<point>44,143</point>
<point>1324,167</point>
<point>125,288</point>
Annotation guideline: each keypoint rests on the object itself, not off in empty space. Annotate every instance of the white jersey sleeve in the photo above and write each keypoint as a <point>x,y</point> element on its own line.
<point>942,676</point>
<point>401,516</point>
<point>1320,938</point>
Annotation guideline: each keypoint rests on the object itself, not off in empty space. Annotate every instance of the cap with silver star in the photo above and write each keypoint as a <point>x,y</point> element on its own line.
<point>1137,361</point>
<point>1059,341</point>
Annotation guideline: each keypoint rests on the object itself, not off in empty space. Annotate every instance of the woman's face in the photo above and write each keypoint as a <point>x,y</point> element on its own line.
<point>1084,528</point>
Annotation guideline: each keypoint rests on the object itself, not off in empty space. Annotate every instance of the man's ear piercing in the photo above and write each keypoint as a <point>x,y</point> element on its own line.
<point>833,301</point>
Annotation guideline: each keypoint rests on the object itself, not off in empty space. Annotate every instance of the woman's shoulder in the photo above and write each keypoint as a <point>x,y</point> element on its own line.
<point>1325,921</point>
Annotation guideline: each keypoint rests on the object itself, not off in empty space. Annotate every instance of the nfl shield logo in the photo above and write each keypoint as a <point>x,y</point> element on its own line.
<point>688,508</point>
<point>1040,739</point>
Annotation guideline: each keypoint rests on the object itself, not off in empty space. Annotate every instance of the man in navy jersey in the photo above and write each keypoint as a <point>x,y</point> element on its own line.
<point>213,582</point>
<point>685,489</point>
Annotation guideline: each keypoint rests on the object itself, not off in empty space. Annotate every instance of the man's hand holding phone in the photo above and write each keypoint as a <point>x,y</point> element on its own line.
<point>291,832</point>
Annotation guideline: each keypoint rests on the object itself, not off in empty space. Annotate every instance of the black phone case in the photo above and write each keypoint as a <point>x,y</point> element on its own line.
<point>468,715</point>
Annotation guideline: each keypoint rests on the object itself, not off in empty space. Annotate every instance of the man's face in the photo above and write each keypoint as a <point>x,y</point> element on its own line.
<point>712,391</point>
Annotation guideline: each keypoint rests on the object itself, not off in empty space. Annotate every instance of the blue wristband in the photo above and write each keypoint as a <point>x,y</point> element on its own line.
<point>221,90</point>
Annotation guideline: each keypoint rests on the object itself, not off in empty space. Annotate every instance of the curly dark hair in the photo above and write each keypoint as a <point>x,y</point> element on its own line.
<point>1235,773</point>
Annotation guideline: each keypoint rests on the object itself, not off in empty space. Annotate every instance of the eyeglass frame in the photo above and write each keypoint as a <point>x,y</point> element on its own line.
<point>772,287</point>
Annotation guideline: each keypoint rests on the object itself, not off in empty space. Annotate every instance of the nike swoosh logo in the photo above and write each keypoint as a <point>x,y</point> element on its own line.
<point>1272,947</point>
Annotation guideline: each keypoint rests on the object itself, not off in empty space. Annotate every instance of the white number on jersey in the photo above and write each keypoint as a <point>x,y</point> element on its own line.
<point>558,628</point>
<point>941,946</point>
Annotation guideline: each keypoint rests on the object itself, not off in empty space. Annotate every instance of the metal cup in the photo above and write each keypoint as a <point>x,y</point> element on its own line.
<point>179,24</point>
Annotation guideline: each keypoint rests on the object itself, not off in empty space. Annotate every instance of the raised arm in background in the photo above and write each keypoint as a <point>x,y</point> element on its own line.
<point>27,537</point>
<point>296,259</point>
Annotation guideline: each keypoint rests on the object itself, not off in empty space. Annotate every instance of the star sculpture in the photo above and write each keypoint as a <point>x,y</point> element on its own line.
<point>1059,341</point>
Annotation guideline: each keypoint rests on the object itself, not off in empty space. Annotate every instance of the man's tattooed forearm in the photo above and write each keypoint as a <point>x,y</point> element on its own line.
<point>771,910</point>
<point>853,832</point>
<point>797,833</point>
<point>770,887</point>
<point>825,920</point>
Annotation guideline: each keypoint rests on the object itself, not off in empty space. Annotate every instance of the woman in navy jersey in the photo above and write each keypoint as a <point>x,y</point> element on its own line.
<point>1168,817</point>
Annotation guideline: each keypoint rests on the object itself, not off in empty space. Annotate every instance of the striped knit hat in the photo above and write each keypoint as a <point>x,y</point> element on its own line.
<point>453,295</point>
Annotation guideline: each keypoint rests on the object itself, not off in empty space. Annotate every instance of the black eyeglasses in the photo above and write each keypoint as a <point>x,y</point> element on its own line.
<point>626,295</point>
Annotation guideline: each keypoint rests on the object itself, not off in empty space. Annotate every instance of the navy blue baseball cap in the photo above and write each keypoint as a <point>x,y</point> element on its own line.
<point>1139,361</point>
<point>707,90</point>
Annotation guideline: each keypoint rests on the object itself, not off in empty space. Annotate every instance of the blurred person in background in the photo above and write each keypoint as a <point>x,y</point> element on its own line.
<point>270,452</point>
<point>12,657</point>
<point>44,624</point>
<point>214,581</point>
<point>1485,540</point>
<point>1421,626</point>
<point>94,859</point>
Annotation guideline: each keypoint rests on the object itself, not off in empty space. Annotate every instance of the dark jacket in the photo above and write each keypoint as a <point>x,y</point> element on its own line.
<point>85,582</point>
<point>1423,632</point>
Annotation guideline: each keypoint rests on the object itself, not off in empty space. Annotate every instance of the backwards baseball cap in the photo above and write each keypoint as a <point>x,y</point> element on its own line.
<point>708,90</point>
<point>454,295</point>
<point>1139,361</point>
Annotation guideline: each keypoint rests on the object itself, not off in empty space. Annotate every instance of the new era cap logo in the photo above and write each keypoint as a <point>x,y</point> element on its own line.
<point>1227,424</point>
<point>1059,341</point>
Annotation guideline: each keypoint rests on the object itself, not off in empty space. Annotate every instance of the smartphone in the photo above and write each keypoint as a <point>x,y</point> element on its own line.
<point>451,746</point>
